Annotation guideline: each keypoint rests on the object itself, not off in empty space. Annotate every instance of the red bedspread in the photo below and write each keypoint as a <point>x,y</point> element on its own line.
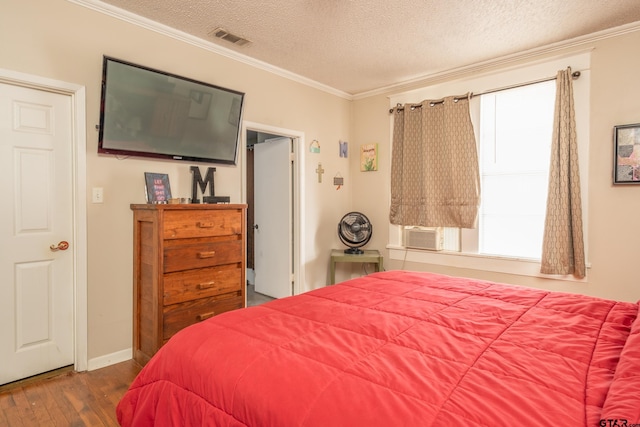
<point>400,349</point>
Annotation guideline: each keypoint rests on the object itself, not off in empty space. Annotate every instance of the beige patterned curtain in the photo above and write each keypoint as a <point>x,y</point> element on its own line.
<point>563,245</point>
<point>434,166</point>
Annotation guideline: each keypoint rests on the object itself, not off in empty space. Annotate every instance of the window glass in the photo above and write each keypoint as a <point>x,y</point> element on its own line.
<point>515,143</point>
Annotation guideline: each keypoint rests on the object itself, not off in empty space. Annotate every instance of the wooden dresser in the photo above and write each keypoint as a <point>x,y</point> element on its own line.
<point>188,265</point>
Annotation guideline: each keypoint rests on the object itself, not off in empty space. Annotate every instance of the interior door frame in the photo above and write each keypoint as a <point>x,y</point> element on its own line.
<point>77,95</point>
<point>298,142</point>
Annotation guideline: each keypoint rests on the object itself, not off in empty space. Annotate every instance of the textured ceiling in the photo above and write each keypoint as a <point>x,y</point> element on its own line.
<point>356,46</point>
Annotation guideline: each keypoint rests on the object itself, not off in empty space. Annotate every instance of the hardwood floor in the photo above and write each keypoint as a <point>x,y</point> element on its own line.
<point>70,399</point>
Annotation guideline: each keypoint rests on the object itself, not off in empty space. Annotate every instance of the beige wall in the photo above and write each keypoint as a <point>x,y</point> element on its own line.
<point>612,231</point>
<point>64,41</point>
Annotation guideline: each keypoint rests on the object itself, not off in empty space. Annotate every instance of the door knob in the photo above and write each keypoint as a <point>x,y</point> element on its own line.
<point>62,246</point>
<point>255,226</point>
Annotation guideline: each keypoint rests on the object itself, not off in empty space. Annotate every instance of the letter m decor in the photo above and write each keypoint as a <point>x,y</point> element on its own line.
<point>199,182</point>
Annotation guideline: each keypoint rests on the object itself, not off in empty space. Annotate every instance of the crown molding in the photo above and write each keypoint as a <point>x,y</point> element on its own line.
<point>157,27</point>
<point>532,54</point>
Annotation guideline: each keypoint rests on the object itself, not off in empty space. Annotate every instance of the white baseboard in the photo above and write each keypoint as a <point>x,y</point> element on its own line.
<point>110,359</point>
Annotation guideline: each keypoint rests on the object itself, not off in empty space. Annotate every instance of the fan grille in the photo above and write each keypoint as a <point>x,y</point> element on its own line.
<point>355,230</point>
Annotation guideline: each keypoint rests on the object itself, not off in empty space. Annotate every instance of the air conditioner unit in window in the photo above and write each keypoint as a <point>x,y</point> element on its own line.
<point>424,238</point>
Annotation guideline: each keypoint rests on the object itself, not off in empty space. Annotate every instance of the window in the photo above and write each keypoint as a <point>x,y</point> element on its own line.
<point>513,163</point>
<point>514,148</point>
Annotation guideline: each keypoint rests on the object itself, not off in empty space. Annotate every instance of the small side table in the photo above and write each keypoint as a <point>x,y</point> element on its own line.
<point>369,256</point>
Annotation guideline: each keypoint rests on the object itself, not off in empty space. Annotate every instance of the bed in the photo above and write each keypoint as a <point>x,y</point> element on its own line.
<point>400,348</point>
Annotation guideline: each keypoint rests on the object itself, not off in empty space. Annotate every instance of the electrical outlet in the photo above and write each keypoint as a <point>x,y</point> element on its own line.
<point>98,195</point>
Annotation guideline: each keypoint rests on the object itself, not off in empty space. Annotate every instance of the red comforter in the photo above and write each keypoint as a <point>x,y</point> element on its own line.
<point>400,349</point>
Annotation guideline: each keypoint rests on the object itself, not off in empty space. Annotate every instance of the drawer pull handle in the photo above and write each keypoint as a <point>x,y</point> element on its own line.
<point>203,255</point>
<point>206,285</point>
<point>206,224</point>
<point>205,316</point>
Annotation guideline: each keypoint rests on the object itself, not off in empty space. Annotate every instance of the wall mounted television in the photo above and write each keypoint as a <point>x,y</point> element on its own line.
<point>150,113</point>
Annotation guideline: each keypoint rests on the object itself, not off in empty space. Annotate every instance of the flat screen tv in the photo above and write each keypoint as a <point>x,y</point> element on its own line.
<point>150,113</point>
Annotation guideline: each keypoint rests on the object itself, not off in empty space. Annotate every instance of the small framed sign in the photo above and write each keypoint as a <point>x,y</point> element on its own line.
<point>368,157</point>
<point>157,187</point>
<point>314,147</point>
<point>626,168</point>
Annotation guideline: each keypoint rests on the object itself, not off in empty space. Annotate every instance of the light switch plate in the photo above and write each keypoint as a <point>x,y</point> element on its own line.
<point>98,195</point>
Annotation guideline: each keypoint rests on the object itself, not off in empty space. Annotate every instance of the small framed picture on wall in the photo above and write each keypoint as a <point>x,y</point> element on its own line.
<point>368,157</point>
<point>626,141</point>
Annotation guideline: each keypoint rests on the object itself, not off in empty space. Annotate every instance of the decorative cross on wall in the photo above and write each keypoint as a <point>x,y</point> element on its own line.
<point>319,171</point>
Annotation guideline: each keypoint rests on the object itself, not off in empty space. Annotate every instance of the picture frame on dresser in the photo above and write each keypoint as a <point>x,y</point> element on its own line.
<point>157,187</point>
<point>626,141</point>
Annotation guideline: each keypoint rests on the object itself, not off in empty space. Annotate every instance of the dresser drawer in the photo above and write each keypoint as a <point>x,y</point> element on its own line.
<point>187,256</point>
<point>179,225</point>
<point>179,316</point>
<point>203,282</point>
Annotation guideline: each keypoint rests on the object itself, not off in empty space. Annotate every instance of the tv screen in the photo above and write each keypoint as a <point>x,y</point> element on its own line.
<point>150,113</point>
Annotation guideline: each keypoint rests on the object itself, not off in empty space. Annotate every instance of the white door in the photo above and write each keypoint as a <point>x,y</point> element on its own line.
<point>273,236</point>
<point>36,219</point>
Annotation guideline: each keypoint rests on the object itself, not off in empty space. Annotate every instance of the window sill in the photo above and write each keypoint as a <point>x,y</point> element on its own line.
<point>516,266</point>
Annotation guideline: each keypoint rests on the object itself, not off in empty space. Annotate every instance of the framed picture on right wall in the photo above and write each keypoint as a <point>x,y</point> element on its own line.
<point>626,141</point>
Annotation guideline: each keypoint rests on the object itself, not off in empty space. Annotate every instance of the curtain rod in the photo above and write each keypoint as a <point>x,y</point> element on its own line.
<point>575,75</point>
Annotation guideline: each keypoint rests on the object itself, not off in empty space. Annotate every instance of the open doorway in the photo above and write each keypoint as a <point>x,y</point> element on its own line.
<point>273,170</point>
